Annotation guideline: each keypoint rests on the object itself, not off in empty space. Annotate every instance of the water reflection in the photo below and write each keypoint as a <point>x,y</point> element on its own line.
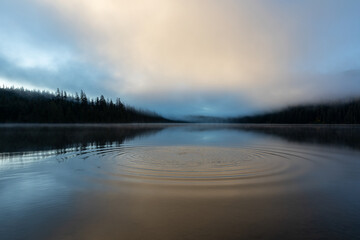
<point>21,138</point>
<point>335,135</point>
<point>179,182</point>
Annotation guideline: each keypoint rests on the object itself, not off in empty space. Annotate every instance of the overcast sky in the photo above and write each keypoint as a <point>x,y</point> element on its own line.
<point>176,57</point>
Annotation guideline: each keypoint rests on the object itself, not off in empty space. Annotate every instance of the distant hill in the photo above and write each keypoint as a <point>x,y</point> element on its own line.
<point>18,105</point>
<point>204,119</point>
<point>336,113</point>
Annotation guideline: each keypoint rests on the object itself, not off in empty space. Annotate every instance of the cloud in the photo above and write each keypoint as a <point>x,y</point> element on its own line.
<point>71,76</point>
<point>36,51</point>
<point>162,44</point>
<point>214,56</point>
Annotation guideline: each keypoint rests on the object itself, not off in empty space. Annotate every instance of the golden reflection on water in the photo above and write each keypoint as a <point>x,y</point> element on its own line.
<point>187,192</point>
<point>141,213</point>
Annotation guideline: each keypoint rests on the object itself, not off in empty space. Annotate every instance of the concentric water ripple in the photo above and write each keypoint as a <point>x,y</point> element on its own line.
<point>195,163</point>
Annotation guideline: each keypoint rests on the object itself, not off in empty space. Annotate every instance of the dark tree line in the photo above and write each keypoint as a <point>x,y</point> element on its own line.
<point>337,113</point>
<point>18,105</point>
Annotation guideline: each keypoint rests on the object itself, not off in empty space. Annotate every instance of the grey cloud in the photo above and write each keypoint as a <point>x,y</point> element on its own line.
<point>71,77</point>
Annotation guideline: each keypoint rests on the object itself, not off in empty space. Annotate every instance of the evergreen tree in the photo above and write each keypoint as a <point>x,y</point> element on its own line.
<point>20,105</point>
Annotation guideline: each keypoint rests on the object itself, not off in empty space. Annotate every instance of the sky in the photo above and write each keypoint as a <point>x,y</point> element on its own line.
<point>180,58</point>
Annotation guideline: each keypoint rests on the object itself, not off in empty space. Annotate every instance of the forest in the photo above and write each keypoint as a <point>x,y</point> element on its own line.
<point>345,112</point>
<point>18,105</point>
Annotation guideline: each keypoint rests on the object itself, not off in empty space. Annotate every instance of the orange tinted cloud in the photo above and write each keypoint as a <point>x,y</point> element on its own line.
<point>268,51</point>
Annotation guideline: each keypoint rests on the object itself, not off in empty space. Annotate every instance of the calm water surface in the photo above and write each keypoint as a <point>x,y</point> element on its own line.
<point>179,182</point>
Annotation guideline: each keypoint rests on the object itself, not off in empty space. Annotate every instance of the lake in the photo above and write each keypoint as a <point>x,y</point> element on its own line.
<point>179,181</point>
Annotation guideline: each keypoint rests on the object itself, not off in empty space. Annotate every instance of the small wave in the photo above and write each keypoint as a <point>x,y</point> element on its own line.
<point>194,163</point>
